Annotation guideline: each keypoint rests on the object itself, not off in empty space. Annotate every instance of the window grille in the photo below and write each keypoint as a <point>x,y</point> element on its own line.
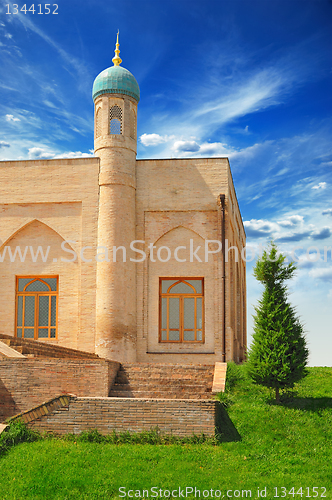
<point>115,120</point>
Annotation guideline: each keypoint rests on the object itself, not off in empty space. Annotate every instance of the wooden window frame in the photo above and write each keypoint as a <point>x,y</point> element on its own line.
<point>181,296</point>
<point>49,293</point>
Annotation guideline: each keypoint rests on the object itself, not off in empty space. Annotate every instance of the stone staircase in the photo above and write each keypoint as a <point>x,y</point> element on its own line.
<point>163,381</point>
<point>33,348</point>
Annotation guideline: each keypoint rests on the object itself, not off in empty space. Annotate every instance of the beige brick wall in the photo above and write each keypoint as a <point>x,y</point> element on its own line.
<point>45,202</point>
<point>177,200</point>
<point>236,331</point>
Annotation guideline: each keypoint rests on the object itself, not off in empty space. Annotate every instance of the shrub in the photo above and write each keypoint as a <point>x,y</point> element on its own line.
<point>278,355</point>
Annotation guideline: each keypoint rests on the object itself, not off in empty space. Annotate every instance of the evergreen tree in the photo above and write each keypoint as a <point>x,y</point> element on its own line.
<point>278,355</point>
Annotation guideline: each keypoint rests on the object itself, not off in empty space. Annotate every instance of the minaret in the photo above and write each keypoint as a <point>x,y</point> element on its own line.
<point>116,95</point>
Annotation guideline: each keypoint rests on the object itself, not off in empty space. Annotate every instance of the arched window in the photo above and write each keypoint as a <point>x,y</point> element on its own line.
<point>133,124</point>
<point>181,310</point>
<point>36,307</point>
<point>98,123</point>
<point>115,120</point>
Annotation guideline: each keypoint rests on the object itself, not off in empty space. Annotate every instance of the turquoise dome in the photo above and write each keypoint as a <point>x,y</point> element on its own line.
<point>115,80</point>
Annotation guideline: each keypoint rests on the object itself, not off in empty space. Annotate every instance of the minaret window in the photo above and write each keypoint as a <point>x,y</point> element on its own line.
<point>115,120</point>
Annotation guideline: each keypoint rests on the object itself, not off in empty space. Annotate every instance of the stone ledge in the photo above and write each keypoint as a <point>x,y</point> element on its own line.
<point>219,378</point>
<point>9,352</point>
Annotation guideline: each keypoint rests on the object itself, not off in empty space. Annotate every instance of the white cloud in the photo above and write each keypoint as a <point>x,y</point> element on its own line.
<point>74,154</point>
<point>322,233</point>
<point>153,139</point>
<point>322,273</point>
<point>38,153</point>
<point>327,211</point>
<point>4,144</point>
<point>291,221</point>
<point>9,36</point>
<point>192,148</point>
<point>11,118</point>
<point>298,230</point>
<point>256,228</point>
<point>186,146</point>
<point>320,185</point>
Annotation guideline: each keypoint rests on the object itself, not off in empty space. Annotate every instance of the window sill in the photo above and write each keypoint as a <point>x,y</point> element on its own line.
<point>180,352</point>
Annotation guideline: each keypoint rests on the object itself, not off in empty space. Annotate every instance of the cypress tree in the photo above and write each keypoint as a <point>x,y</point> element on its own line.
<point>278,354</point>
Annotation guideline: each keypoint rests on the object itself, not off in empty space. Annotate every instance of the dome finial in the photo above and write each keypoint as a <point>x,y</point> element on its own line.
<point>116,59</point>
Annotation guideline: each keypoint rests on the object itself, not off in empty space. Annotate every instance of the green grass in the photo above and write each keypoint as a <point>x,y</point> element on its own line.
<point>263,445</point>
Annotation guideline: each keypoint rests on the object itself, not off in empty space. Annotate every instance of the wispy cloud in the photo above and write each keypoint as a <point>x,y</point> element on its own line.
<point>321,185</point>
<point>12,118</point>
<point>71,62</point>
<point>296,229</point>
<point>262,89</point>
<point>322,273</point>
<point>249,88</point>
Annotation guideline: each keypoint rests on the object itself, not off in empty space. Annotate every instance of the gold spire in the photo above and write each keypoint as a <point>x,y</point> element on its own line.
<point>116,59</point>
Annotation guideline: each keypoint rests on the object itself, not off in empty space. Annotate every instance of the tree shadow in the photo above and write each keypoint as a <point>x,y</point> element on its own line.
<point>307,404</point>
<point>225,429</point>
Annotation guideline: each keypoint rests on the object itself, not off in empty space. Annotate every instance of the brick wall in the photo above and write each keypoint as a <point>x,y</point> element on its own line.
<point>44,203</point>
<point>25,383</point>
<point>177,417</point>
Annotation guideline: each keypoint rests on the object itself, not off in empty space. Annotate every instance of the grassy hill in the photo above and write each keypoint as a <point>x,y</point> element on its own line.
<point>263,445</point>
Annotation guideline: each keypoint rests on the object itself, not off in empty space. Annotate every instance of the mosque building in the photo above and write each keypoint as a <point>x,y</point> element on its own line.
<point>129,259</point>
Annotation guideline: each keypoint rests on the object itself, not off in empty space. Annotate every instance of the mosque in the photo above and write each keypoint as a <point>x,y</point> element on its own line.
<point>125,258</point>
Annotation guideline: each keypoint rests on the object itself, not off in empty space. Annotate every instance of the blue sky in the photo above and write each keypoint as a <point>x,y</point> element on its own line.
<point>250,80</point>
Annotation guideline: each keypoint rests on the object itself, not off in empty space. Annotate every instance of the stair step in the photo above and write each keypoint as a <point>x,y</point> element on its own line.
<point>163,381</point>
<point>157,395</point>
<point>161,388</point>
